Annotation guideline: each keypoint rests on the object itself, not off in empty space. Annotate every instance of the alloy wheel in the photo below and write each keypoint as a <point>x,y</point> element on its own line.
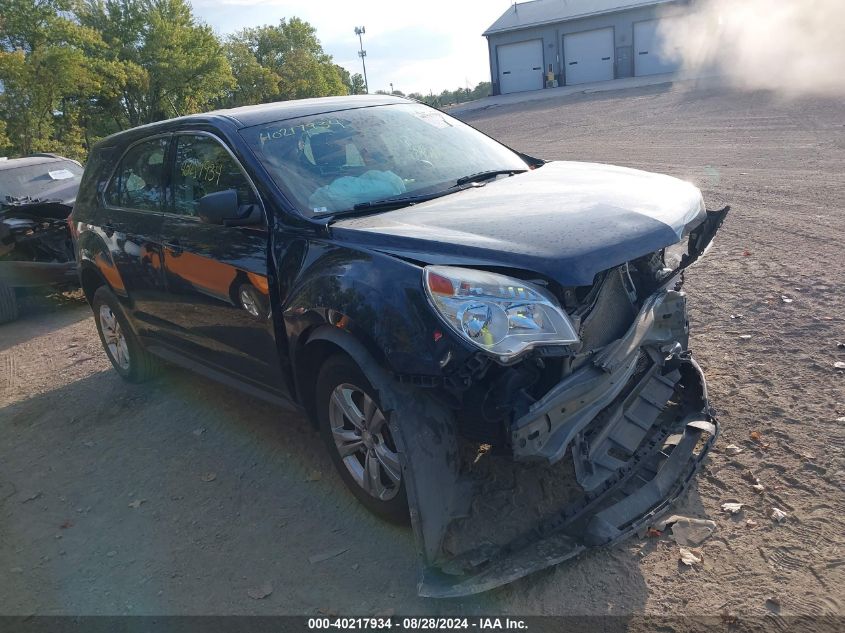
<point>362,437</point>
<point>114,337</point>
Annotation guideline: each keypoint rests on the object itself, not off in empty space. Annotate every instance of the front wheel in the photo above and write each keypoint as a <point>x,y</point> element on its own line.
<point>127,355</point>
<point>358,436</point>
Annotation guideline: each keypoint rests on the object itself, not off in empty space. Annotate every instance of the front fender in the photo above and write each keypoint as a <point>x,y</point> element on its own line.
<point>375,298</point>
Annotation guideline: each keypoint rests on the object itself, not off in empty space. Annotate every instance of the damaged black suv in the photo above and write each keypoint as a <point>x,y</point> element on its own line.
<point>492,345</point>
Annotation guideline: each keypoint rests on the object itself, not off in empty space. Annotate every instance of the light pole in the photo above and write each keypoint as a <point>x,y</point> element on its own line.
<point>359,31</point>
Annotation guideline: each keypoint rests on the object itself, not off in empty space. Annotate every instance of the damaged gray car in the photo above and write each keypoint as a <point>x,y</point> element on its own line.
<point>36,251</point>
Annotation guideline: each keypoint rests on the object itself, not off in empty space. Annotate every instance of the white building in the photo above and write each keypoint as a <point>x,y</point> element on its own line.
<point>579,41</point>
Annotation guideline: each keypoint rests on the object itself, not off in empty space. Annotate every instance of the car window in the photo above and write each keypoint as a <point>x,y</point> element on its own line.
<point>38,181</point>
<point>328,163</point>
<point>204,166</point>
<point>139,182</point>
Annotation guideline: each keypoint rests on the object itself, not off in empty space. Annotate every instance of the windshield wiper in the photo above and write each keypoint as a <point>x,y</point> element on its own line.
<point>462,183</point>
<point>486,175</point>
<point>399,202</point>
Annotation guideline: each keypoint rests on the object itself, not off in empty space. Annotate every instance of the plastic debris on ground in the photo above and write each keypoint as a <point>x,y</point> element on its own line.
<point>778,515</point>
<point>732,507</point>
<point>689,532</point>
<point>690,556</point>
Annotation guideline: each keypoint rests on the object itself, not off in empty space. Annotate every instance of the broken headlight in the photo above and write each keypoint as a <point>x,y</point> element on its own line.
<point>501,315</point>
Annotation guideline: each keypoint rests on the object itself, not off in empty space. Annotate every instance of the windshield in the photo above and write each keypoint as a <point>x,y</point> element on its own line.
<point>331,162</point>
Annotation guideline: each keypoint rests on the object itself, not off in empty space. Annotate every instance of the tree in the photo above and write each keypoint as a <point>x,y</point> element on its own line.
<point>160,61</point>
<point>254,83</point>
<point>289,54</point>
<point>44,73</point>
<point>356,84</point>
<point>4,140</point>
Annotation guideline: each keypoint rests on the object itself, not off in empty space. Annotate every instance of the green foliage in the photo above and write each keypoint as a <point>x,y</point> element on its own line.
<point>74,71</point>
<point>288,62</point>
<point>451,97</point>
<point>354,83</point>
<point>357,85</point>
<point>160,61</point>
<point>43,70</point>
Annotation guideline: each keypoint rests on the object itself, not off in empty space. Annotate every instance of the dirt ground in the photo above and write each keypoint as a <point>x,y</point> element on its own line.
<point>182,497</point>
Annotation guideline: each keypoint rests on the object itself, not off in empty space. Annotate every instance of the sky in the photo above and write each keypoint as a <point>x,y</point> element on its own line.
<point>421,46</point>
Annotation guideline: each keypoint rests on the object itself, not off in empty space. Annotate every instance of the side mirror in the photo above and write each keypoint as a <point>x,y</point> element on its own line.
<point>221,207</point>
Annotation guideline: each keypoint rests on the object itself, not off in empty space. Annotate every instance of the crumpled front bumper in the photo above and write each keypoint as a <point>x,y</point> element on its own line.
<point>604,410</point>
<point>635,421</point>
<point>629,500</point>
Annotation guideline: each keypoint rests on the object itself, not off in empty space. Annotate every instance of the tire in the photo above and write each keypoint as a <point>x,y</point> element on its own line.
<point>8,304</point>
<point>345,397</point>
<point>130,359</point>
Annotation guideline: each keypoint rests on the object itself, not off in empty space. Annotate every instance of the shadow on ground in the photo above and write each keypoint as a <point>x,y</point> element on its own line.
<point>181,496</point>
<point>40,314</point>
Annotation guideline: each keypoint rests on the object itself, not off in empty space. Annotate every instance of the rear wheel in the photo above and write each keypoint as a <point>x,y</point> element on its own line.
<point>358,436</point>
<point>8,304</point>
<point>127,355</point>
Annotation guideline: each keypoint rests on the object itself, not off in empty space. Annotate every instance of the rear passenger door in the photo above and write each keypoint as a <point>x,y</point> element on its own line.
<point>217,275</point>
<point>130,224</point>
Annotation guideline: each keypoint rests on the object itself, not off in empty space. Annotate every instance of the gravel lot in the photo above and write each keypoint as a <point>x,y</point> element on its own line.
<point>181,497</point>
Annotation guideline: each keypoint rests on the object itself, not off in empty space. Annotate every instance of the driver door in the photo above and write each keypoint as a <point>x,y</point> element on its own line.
<point>217,275</point>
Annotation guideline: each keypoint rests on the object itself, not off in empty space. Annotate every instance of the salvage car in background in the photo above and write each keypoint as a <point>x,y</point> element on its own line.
<point>496,343</point>
<point>36,196</point>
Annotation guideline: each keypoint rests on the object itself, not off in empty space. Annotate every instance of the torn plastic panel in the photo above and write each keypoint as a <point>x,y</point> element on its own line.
<point>514,526</point>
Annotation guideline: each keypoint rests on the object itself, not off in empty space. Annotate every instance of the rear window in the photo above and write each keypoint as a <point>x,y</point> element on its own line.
<point>37,181</point>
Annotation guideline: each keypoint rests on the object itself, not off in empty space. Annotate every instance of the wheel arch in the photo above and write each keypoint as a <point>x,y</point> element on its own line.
<point>90,278</point>
<point>323,342</point>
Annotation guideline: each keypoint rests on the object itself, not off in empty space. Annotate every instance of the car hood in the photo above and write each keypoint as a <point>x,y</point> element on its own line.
<point>566,220</point>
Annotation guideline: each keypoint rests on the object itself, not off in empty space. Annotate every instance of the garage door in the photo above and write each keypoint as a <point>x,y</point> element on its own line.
<point>650,54</point>
<point>520,66</point>
<point>588,56</point>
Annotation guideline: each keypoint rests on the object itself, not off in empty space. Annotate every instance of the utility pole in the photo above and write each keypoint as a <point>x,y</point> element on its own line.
<point>359,31</point>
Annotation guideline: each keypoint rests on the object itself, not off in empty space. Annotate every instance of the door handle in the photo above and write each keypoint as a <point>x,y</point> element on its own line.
<point>174,246</point>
